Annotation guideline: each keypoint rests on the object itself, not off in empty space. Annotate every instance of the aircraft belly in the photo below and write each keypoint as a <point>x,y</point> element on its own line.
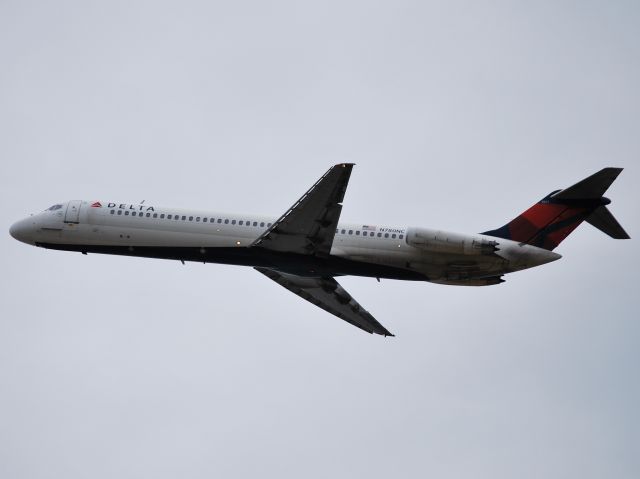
<point>301,265</point>
<point>395,260</point>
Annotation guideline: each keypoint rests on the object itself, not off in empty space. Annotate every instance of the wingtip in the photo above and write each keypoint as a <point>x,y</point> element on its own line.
<point>381,332</point>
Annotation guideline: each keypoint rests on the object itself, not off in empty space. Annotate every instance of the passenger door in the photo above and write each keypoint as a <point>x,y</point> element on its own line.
<point>73,211</point>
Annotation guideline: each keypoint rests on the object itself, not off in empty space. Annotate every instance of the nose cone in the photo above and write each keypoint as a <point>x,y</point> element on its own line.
<point>23,230</point>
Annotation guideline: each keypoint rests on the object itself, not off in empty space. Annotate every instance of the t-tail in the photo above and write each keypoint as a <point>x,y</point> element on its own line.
<point>547,223</point>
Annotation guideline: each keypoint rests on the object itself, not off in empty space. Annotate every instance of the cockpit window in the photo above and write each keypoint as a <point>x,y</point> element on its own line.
<point>54,207</point>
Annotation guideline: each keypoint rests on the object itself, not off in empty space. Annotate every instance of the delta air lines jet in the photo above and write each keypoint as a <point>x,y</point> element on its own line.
<point>307,247</point>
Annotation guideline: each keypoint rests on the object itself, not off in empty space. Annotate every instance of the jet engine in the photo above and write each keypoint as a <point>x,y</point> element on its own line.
<point>435,241</point>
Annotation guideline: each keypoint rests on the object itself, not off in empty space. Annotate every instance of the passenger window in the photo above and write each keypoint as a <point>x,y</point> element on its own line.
<point>168,217</point>
<point>184,218</point>
<point>255,223</point>
<point>155,215</point>
<point>268,225</point>
<point>119,212</point>
<point>204,220</point>
<point>262,224</point>
<point>148,215</point>
<point>226,222</point>
<point>379,235</point>
<point>113,212</point>
<point>162,216</point>
<point>357,232</point>
<point>372,234</point>
<point>219,220</point>
<point>133,213</point>
<point>343,231</point>
<point>240,222</point>
<point>393,236</point>
<point>386,235</point>
<point>176,217</point>
<point>233,222</point>
<point>350,232</point>
<point>401,236</point>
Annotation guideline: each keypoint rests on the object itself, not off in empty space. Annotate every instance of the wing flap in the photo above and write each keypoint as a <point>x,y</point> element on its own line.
<point>326,293</point>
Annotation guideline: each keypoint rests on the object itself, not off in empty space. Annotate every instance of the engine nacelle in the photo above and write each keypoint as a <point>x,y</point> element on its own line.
<point>435,241</point>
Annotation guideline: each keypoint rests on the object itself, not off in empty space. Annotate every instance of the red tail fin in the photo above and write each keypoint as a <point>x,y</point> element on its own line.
<point>547,223</point>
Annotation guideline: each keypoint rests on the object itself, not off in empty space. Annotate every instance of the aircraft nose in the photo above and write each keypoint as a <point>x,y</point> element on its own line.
<point>22,231</point>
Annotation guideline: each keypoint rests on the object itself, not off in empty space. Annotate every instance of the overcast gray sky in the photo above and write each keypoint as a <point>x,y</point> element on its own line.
<point>459,115</point>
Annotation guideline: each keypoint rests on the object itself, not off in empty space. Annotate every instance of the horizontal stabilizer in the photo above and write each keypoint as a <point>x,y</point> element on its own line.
<point>592,187</point>
<point>602,219</point>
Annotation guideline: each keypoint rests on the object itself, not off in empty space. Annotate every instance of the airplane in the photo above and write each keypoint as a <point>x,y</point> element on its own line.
<point>306,248</point>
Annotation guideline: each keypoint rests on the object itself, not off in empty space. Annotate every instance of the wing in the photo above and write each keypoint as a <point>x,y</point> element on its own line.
<point>308,227</point>
<point>327,294</point>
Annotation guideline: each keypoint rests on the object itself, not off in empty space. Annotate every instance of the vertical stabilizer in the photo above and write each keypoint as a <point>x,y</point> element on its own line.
<point>547,223</point>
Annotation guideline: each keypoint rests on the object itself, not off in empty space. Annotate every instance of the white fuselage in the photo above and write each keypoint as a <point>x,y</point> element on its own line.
<point>360,249</point>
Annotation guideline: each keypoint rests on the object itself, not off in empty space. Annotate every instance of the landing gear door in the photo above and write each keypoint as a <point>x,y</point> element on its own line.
<point>73,212</point>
